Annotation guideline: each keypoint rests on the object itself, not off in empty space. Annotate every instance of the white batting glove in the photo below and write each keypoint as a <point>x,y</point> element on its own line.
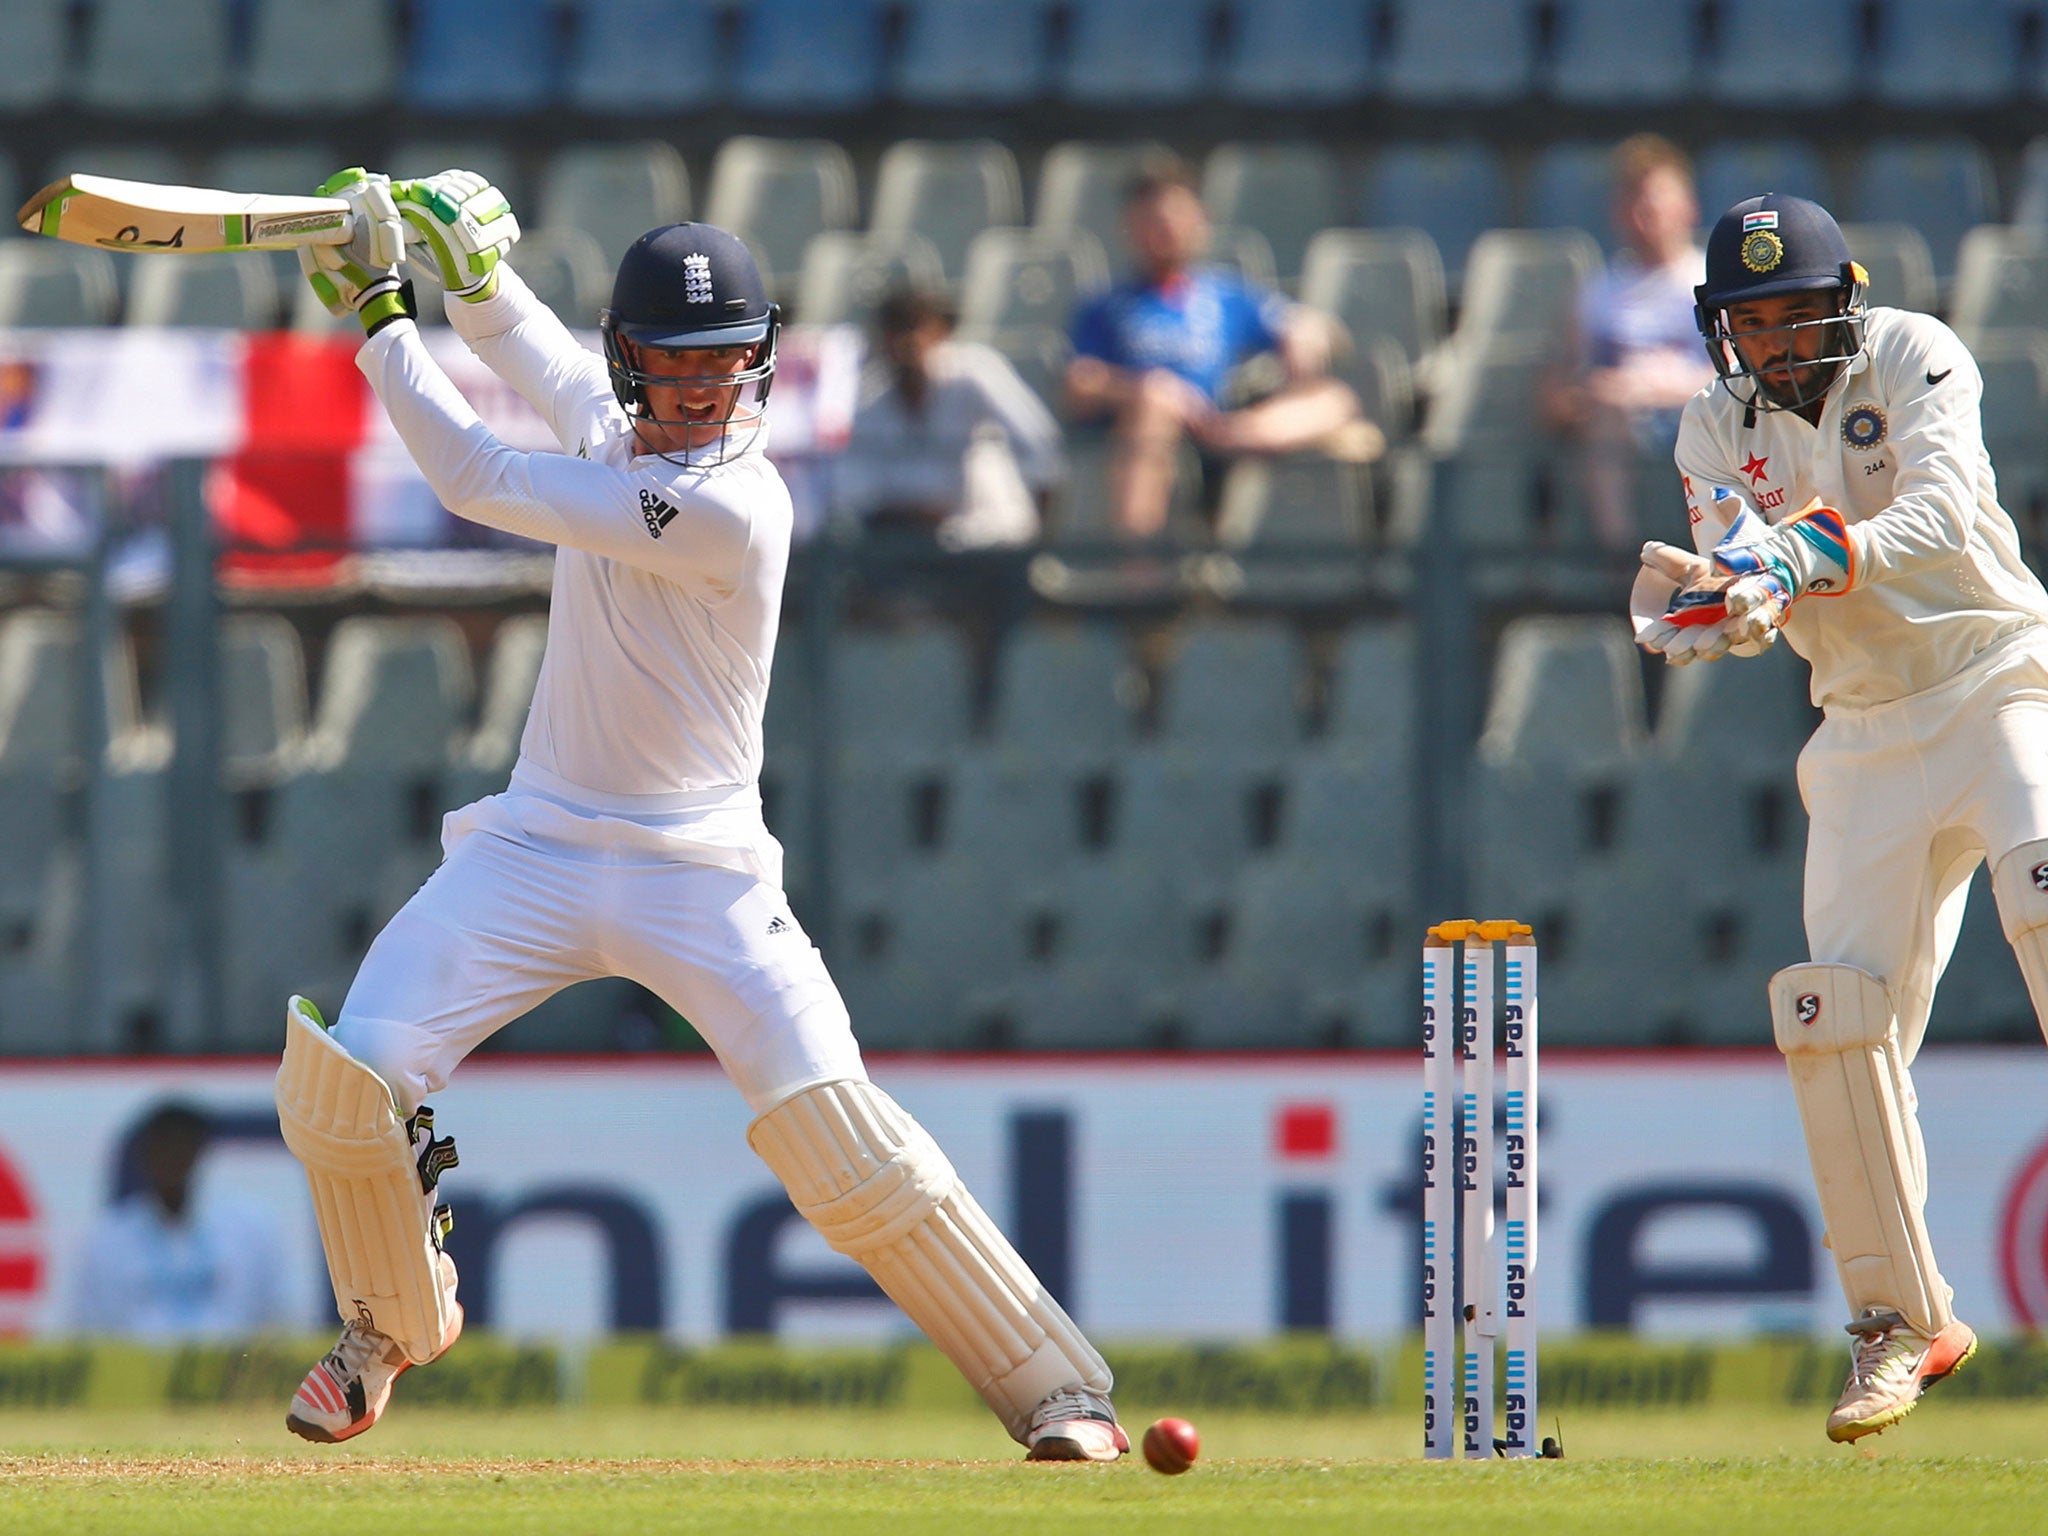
<point>465,224</point>
<point>361,278</point>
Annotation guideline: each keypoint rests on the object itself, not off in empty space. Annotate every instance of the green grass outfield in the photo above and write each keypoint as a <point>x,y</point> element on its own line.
<point>1954,1469</point>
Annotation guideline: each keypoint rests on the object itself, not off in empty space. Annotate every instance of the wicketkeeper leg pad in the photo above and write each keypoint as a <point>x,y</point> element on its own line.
<point>876,1185</point>
<point>2020,882</point>
<point>372,1188</point>
<point>1839,1032</point>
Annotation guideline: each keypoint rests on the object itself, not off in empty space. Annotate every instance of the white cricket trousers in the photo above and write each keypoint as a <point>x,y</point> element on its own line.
<point>1906,799</point>
<point>533,896</point>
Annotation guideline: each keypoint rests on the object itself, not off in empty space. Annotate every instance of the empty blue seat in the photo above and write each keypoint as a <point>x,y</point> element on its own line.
<point>630,56</point>
<point>1731,171</point>
<point>1941,187</point>
<point>1457,51</point>
<point>1450,191</point>
<point>1948,52</point>
<point>1290,52</point>
<point>1570,187</point>
<point>505,66</point>
<point>1616,51</point>
<point>153,57</point>
<point>32,40</point>
<point>975,52</point>
<point>1768,53</point>
<point>809,55</point>
<point>1126,51</point>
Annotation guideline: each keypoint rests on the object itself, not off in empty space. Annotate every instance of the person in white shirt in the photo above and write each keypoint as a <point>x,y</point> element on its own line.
<point>1840,495</point>
<point>1634,358</point>
<point>164,1264</point>
<point>630,841</point>
<point>947,440</point>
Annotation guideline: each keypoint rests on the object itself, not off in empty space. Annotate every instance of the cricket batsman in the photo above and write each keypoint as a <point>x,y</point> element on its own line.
<point>1840,493</point>
<point>630,841</point>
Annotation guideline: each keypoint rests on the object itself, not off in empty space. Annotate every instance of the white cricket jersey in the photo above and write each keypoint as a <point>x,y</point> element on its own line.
<point>1937,577</point>
<point>668,577</point>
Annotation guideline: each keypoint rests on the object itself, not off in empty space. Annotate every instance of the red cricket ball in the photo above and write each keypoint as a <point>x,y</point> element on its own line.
<point>1171,1446</point>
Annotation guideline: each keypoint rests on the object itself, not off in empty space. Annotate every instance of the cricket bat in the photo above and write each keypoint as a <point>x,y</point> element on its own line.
<point>143,216</point>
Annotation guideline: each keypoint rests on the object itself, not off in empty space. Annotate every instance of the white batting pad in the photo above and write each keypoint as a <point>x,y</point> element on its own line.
<point>2020,882</point>
<point>376,1222</point>
<point>1839,1033</point>
<point>876,1185</point>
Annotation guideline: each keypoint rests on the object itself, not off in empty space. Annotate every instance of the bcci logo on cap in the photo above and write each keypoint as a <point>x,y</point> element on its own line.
<point>1807,1007</point>
<point>1762,250</point>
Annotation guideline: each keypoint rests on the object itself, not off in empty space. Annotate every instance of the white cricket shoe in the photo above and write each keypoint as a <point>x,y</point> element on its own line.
<point>347,1391</point>
<point>1075,1424</point>
<point>1893,1364</point>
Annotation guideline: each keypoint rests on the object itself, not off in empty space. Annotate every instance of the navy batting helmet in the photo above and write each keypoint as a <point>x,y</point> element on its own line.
<point>1766,247</point>
<point>688,287</point>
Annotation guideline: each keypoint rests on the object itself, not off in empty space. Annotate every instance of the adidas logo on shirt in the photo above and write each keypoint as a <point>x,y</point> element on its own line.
<point>655,513</point>
<point>777,925</point>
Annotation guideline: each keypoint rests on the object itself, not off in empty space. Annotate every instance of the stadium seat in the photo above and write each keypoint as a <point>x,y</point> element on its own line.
<point>1287,192</point>
<point>1137,52</point>
<point>808,55</point>
<point>1485,400</point>
<point>1733,171</point>
<point>1370,696</point>
<point>947,194</point>
<point>1452,52</point>
<point>919,958</point>
<point>567,271</point>
<point>900,697</point>
<point>2015,410</point>
<point>1063,694</point>
<point>1571,186</point>
<point>1942,187</point>
<point>459,67</point>
<point>48,284</point>
<point>1081,186</point>
<point>395,694</point>
<point>1754,38</point>
<point>1381,283</point>
<point>614,193</point>
<point>295,67</point>
<point>238,291</point>
<point>2001,281</point>
<point>2030,194</point>
<point>156,57</point>
<point>262,697</point>
<point>1013,816</point>
<point>846,275</point>
<point>1767,694</point>
<point>1295,53</point>
<point>1040,359</point>
<point>632,57</point>
<point>40,716</point>
<point>1233,691</point>
<point>1623,52</point>
<point>1565,690</point>
<point>1523,284</point>
<point>1947,53</point>
<point>981,53</point>
<point>1301,502</point>
<point>778,193</point>
<point>1243,251</point>
<point>1896,257</point>
<point>1020,281</point>
<point>1451,191</point>
<point>33,38</point>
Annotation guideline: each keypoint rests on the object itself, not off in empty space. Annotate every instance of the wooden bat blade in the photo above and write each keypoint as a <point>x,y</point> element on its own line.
<point>143,216</point>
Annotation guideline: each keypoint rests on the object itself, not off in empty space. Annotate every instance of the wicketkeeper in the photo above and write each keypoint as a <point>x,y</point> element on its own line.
<point>630,842</point>
<point>1841,495</point>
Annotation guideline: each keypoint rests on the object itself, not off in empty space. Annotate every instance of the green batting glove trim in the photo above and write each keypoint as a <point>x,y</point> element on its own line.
<point>489,290</point>
<point>325,291</point>
<point>385,308</point>
<point>348,178</point>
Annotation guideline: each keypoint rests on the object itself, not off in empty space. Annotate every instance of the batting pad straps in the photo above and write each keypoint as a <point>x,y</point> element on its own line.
<point>880,1191</point>
<point>1840,1037</point>
<point>2020,882</point>
<point>376,1217</point>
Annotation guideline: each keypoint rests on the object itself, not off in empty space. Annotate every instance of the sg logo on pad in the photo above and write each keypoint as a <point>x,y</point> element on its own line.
<point>2039,875</point>
<point>1807,1007</point>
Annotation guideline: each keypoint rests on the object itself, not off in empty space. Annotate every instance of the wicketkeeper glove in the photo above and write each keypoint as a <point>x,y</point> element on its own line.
<point>361,278</point>
<point>465,224</point>
<point>1757,573</point>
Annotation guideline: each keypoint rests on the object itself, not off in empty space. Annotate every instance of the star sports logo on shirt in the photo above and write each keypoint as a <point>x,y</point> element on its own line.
<point>697,279</point>
<point>655,513</point>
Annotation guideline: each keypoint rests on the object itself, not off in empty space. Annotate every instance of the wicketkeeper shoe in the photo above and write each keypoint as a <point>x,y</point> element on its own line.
<point>1075,1425</point>
<point>1892,1366</point>
<point>346,1392</point>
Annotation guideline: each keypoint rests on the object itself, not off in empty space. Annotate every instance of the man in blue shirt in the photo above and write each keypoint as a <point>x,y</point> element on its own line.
<point>1153,355</point>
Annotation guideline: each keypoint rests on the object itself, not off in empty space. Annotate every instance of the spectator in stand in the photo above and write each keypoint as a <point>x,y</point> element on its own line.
<point>1153,358</point>
<point>947,440</point>
<point>1635,356</point>
<point>161,1264</point>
